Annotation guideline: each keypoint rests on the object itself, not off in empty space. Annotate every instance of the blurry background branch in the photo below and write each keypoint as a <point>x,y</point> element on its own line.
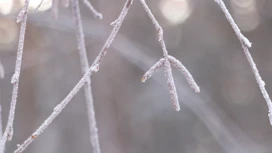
<point>133,117</point>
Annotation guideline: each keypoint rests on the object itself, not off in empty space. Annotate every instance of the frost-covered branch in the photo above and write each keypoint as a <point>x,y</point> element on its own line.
<point>245,45</point>
<point>79,85</point>
<point>260,81</point>
<point>8,133</point>
<point>176,63</point>
<point>153,69</point>
<point>117,25</point>
<point>234,26</point>
<point>93,10</point>
<point>94,138</point>
<point>166,62</point>
<point>171,84</point>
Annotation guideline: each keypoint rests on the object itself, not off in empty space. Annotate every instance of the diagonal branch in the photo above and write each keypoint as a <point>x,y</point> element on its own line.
<point>176,63</point>
<point>40,4</point>
<point>93,10</point>
<point>79,85</point>
<point>234,26</point>
<point>245,45</point>
<point>94,138</point>
<point>153,69</point>
<point>8,133</point>
<point>110,39</point>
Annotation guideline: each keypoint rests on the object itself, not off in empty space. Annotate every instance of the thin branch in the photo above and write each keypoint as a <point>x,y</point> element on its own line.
<point>171,85</point>
<point>153,69</point>
<point>260,81</point>
<point>94,138</point>
<point>176,63</point>
<point>112,35</point>
<point>79,85</point>
<point>245,45</point>
<point>93,10</point>
<point>8,133</point>
<point>234,26</point>
<point>167,63</point>
<point>55,8</point>
<point>39,6</point>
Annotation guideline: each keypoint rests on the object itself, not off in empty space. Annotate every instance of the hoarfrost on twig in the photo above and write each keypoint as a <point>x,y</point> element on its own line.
<point>234,26</point>
<point>171,85</point>
<point>176,63</point>
<point>93,10</point>
<point>8,133</point>
<point>80,84</point>
<point>87,87</point>
<point>153,69</point>
<point>260,81</point>
<point>166,62</point>
<point>115,30</point>
<point>245,45</point>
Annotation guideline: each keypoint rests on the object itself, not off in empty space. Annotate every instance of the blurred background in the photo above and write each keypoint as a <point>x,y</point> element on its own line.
<point>229,115</point>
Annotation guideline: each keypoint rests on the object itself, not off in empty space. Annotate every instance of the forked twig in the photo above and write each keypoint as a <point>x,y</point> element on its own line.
<point>93,10</point>
<point>245,45</point>
<point>79,85</point>
<point>177,64</point>
<point>166,62</point>
<point>8,133</point>
<point>94,138</point>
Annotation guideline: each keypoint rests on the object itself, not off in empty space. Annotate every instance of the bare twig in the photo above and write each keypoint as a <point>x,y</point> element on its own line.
<point>166,63</point>
<point>93,10</point>
<point>8,133</point>
<point>113,34</point>
<point>153,69</point>
<point>39,6</point>
<point>94,138</point>
<point>234,26</point>
<point>176,63</point>
<point>245,45</point>
<point>171,85</point>
<point>79,85</point>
